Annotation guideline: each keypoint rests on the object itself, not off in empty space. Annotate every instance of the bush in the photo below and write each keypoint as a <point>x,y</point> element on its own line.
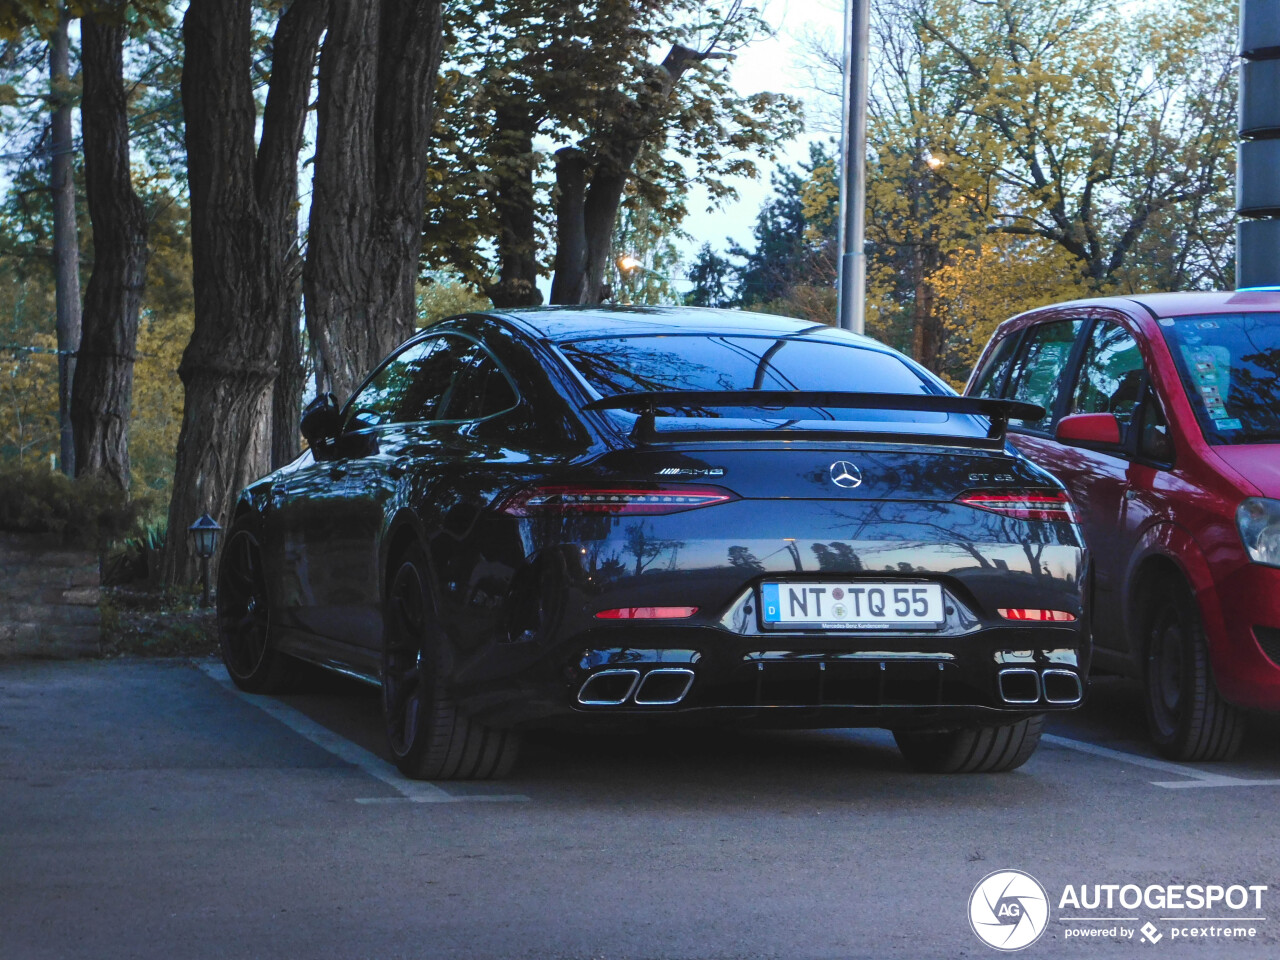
<point>85,512</point>
<point>136,558</point>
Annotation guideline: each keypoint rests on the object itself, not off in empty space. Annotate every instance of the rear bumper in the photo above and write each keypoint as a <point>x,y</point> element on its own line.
<point>532,667</point>
<point>706,674</point>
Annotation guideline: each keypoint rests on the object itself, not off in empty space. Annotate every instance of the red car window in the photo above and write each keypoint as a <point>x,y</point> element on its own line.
<point>1110,378</point>
<point>1038,374</point>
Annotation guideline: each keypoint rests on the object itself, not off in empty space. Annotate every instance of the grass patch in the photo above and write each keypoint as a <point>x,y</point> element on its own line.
<point>140,623</point>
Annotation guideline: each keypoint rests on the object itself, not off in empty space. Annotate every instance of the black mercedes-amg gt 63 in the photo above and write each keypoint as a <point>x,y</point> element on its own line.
<point>640,515</point>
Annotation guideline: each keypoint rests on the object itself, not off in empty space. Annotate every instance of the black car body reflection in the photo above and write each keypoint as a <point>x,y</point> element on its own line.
<point>580,516</point>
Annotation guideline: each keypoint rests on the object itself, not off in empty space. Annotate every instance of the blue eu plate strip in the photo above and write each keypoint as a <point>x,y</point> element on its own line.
<point>772,606</point>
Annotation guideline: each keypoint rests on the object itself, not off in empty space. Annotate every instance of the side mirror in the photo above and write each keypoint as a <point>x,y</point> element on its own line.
<point>321,420</point>
<point>1089,429</point>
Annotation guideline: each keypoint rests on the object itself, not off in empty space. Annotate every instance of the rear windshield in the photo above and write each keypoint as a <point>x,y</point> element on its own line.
<point>1230,368</point>
<point>621,365</point>
<point>617,365</point>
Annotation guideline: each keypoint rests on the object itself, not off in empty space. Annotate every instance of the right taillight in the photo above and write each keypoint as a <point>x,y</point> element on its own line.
<point>613,500</point>
<point>1050,506</point>
<point>1049,616</point>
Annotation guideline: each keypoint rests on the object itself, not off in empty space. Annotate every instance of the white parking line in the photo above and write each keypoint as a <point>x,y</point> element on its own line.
<point>411,791</point>
<point>1224,782</point>
<point>1195,778</point>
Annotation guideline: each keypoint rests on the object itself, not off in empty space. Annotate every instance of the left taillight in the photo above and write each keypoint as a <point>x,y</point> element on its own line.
<point>1050,506</point>
<point>647,613</point>
<point>632,499</point>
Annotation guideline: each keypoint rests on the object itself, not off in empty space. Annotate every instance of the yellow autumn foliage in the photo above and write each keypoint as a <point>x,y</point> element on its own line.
<point>29,399</point>
<point>979,288</point>
<point>157,399</point>
<point>1026,152</point>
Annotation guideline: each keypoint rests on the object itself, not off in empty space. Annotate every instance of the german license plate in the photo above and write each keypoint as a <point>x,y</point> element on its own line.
<point>854,605</point>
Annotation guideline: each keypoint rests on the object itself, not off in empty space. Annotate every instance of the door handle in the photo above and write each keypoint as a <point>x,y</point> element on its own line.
<point>337,472</point>
<point>1130,493</point>
<point>399,467</point>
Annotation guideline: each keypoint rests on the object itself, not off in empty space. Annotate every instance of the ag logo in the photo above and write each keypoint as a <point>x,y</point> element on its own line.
<point>1008,910</point>
<point>846,474</point>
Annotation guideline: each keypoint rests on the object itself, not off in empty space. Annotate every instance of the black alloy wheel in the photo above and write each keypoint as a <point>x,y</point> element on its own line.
<point>244,617</point>
<point>403,679</point>
<point>1186,715</point>
<point>428,736</point>
<point>984,749</point>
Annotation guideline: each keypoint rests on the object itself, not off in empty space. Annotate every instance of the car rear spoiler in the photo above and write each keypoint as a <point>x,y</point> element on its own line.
<point>999,412</point>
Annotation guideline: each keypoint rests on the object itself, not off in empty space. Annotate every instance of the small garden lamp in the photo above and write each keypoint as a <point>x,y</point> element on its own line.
<point>204,532</point>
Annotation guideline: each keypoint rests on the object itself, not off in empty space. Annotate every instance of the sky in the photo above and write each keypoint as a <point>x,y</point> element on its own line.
<point>774,64</point>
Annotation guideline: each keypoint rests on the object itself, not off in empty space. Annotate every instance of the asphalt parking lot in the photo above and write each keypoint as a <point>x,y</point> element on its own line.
<point>147,809</point>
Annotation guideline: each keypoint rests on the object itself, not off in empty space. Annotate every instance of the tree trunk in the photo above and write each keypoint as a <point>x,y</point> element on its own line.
<point>619,147</point>
<point>377,80</point>
<point>286,398</point>
<point>599,215</point>
<point>516,207</point>
<point>242,237</point>
<point>569,281</point>
<point>411,45</point>
<point>339,254</point>
<point>230,364</point>
<point>66,249</point>
<point>294,47</point>
<point>926,340</point>
<point>102,396</point>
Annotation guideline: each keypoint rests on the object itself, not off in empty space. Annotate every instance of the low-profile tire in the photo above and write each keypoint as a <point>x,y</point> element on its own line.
<point>245,619</point>
<point>429,738</point>
<point>986,749</point>
<point>1187,717</point>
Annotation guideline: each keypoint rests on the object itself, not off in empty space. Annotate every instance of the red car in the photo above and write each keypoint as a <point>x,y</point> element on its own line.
<point>1164,423</point>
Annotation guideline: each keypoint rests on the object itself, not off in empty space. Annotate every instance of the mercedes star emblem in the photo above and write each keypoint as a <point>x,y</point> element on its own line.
<point>845,474</point>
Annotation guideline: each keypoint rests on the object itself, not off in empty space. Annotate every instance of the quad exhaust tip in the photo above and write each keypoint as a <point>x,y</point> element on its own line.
<point>664,687</point>
<point>660,687</point>
<point>1023,685</point>
<point>1062,686</point>
<point>608,688</point>
<point>1019,685</point>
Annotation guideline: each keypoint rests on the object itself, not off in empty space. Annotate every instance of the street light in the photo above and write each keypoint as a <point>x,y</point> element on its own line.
<point>630,266</point>
<point>204,533</point>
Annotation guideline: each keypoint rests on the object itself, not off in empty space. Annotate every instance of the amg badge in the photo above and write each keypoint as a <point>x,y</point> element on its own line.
<point>691,472</point>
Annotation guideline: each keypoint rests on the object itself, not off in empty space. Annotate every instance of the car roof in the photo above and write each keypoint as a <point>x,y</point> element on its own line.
<point>1209,301</point>
<point>1158,305</point>
<point>560,324</point>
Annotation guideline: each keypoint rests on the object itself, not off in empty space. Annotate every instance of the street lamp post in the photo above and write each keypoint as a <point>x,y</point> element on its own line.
<point>853,185</point>
<point>204,533</point>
